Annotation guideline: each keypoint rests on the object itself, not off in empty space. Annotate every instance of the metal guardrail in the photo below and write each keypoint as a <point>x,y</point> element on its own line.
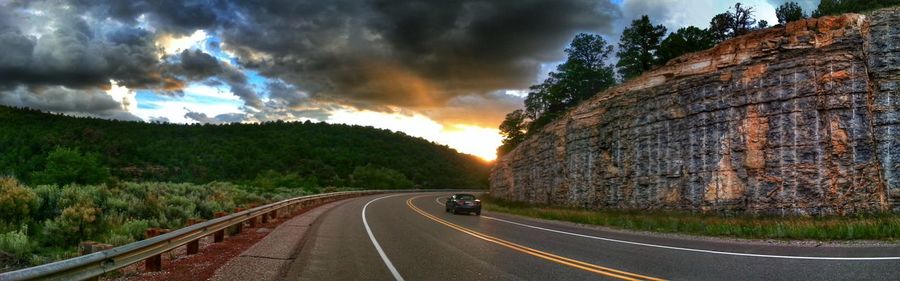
<point>95,264</point>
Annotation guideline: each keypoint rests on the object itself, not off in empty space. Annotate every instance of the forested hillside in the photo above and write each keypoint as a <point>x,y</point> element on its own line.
<point>42,148</point>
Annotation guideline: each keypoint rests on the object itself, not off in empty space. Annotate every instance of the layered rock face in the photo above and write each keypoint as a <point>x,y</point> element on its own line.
<point>797,119</point>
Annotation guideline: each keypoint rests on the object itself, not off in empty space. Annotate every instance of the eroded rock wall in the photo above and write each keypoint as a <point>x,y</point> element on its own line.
<point>799,119</point>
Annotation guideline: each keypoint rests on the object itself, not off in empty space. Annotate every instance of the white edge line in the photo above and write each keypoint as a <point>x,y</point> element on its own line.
<point>688,249</point>
<point>381,253</point>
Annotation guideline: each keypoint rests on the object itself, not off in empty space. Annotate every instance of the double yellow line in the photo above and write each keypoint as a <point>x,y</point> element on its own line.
<point>533,252</point>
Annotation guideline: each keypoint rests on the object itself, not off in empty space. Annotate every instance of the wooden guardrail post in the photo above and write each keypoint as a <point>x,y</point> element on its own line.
<point>254,220</point>
<point>154,263</point>
<point>90,247</point>
<point>240,226</point>
<point>193,247</point>
<point>219,236</point>
<point>265,217</point>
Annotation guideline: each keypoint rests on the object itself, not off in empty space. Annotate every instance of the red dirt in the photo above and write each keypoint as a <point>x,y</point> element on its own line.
<point>202,266</point>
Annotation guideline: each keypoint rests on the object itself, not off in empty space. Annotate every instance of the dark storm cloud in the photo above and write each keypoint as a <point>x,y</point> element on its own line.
<point>94,103</point>
<point>76,55</point>
<point>170,16</point>
<point>411,53</point>
<point>370,54</point>
<point>197,66</point>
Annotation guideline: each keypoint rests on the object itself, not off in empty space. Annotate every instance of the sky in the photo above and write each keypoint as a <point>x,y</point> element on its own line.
<point>446,71</point>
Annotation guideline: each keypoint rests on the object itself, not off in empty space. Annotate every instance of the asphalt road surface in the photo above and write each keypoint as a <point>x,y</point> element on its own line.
<point>411,237</point>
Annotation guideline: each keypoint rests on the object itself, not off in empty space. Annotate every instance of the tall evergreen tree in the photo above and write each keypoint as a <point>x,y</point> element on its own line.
<point>513,131</point>
<point>585,73</point>
<point>834,7</point>
<point>638,46</point>
<point>788,12</point>
<point>730,24</point>
<point>684,40</point>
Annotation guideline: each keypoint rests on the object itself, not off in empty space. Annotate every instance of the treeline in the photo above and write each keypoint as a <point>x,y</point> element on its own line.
<point>42,148</point>
<point>588,69</point>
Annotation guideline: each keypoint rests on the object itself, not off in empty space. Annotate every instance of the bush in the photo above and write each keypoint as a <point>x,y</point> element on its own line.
<point>16,201</point>
<point>117,214</point>
<point>379,178</point>
<point>271,179</point>
<point>48,202</point>
<point>76,223</point>
<point>67,166</point>
<point>17,243</point>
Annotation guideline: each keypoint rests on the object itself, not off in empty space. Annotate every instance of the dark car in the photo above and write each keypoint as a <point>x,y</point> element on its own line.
<point>459,203</point>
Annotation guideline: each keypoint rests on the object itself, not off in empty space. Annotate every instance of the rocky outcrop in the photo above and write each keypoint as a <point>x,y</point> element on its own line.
<point>795,119</point>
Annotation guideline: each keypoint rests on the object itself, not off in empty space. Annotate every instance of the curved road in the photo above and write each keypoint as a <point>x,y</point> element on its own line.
<point>410,237</point>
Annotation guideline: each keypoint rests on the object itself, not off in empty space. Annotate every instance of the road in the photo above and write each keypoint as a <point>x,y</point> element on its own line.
<point>410,237</point>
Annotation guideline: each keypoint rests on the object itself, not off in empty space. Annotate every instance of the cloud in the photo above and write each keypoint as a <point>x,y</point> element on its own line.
<point>218,119</point>
<point>198,65</point>
<point>64,49</point>
<point>158,119</point>
<point>93,103</point>
<point>375,54</point>
<point>808,5</point>
<point>479,110</point>
<point>370,54</point>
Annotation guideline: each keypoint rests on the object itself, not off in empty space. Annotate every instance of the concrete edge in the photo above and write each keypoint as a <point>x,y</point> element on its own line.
<point>251,265</point>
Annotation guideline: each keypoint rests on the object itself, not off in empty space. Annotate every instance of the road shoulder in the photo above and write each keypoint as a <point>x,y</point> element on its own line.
<point>270,258</point>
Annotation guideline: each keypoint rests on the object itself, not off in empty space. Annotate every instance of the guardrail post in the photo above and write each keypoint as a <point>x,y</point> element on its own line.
<point>240,226</point>
<point>265,217</point>
<point>154,263</point>
<point>219,236</point>
<point>193,247</point>
<point>253,221</point>
<point>90,247</point>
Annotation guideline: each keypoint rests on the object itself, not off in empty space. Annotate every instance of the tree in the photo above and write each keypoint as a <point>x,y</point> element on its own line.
<point>684,40</point>
<point>638,46</point>
<point>720,26</point>
<point>314,153</point>
<point>730,24</point>
<point>788,12</point>
<point>586,70</point>
<point>743,20</point>
<point>66,166</point>
<point>513,131</point>
<point>17,202</point>
<point>834,7</point>
<point>585,73</point>
<point>369,176</point>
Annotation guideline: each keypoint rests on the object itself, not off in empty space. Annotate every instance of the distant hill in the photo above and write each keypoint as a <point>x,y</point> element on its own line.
<point>324,154</point>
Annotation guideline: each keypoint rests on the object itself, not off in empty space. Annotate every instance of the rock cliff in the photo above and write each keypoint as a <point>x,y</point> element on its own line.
<point>795,119</point>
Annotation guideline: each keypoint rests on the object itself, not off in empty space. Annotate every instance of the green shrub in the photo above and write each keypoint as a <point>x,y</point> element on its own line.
<point>17,243</point>
<point>16,201</point>
<point>76,223</point>
<point>67,166</point>
<point>48,202</point>
<point>379,178</point>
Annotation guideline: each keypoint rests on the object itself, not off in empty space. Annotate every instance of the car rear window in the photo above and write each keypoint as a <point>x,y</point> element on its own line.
<point>465,197</point>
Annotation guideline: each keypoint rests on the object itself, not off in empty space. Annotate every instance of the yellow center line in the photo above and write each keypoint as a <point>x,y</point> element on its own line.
<point>624,275</point>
